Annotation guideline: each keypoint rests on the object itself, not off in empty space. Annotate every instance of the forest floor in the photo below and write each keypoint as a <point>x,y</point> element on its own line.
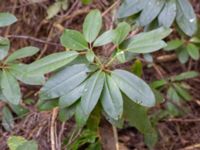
<point>32,28</point>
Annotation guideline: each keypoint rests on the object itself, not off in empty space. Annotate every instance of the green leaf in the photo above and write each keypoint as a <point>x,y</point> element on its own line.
<point>117,123</point>
<point>66,113</point>
<point>29,145</point>
<point>186,18</point>
<point>64,81</point>
<point>121,56</point>
<point>130,7</point>
<point>136,115</point>
<point>7,19</point>
<point>148,41</point>
<point>174,44</point>
<point>182,92</point>
<point>80,117</point>
<point>137,68</point>
<point>51,62</point>
<point>158,96</point>
<point>71,97</point>
<point>111,99</point>
<point>86,1</point>
<point>193,51</point>
<point>172,95</point>
<point>185,76</point>
<point>150,139</point>
<point>183,55</point>
<point>73,40</point>
<point>94,120</point>
<point>21,53</point>
<point>4,47</point>
<point>7,119</point>
<point>54,9</point>
<point>172,109</point>
<point>92,92</point>
<point>10,88</point>
<point>104,39</point>
<point>86,137</point>
<point>19,110</point>
<point>15,141</point>
<point>17,70</point>
<point>168,14</point>
<point>135,88</point>
<point>120,33</point>
<point>158,83</point>
<point>195,40</point>
<point>150,11</point>
<point>47,105</point>
<point>92,25</point>
<point>90,56</point>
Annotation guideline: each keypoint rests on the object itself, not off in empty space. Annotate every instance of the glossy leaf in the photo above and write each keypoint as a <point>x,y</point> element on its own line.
<point>7,119</point>
<point>174,44</point>
<point>120,33</point>
<point>92,25</point>
<point>111,99</point>
<point>186,18</point>
<point>185,76</point>
<point>51,62</point>
<point>173,96</point>
<point>150,139</point>
<point>71,97</point>
<point>183,55</point>
<point>10,88</point>
<point>64,81</point>
<point>168,14</point>
<point>21,53</point>
<point>150,11</point>
<point>92,92</point>
<point>149,41</point>
<point>104,39</point>
<point>80,116</point>
<point>74,40</point>
<point>54,9</point>
<point>130,7</point>
<point>4,47</point>
<point>158,83</point>
<point>17,70</point>
<point>182,92</point>
<point>193,51</point>
<point>135,88</point>
<point>66,113</point>
<point>7,19</point>
<point>90,56</point>
<point>136,115</point>
<point>19,110</point>
<point>47,105</point>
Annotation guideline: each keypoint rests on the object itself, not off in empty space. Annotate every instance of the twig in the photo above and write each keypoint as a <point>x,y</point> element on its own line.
<point>157,69</point>
<point>116,137</point>
<point>192,147</point>
<point>46,45</point>
<point>60,135</point>
<point>110,8</point>
<point>34,39</point>
<point>183,120</point>
<point>166,58</point>
<point>13,12</point>
<point>54,115</point>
